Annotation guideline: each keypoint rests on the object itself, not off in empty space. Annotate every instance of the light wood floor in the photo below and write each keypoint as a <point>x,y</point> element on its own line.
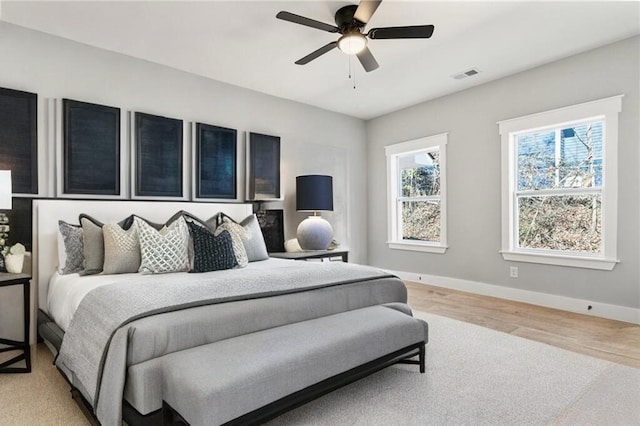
<point>610,340</point>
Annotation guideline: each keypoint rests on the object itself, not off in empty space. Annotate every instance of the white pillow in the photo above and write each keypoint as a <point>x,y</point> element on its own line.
<point>166,250</point>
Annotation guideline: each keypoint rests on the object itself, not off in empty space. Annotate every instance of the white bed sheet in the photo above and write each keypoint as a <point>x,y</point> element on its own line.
<point>67,291</point>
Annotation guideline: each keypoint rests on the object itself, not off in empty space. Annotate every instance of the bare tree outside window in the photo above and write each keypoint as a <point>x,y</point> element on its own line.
<point>420,196</point>
<point>559,188</point>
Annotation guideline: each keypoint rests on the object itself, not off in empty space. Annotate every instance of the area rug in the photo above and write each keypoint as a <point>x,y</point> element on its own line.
<point>478,376</point>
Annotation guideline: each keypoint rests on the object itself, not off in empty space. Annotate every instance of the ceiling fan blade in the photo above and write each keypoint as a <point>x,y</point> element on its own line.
<point>313,55</point>
<point>297,19</point>
<point>418,31</point>
<point>367,60</point>
<point>366,9</point>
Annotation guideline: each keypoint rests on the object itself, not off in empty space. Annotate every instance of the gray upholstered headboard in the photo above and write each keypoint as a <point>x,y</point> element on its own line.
<point>46,214</point>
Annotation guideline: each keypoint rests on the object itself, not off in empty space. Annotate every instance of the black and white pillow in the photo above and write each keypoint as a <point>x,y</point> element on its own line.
<point>165,250</point>
<point>211,252</point>
<point>237,233</point>
<point>70,248</point>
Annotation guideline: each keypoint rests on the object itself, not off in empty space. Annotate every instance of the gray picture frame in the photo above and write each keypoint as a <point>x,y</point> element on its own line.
<point>91,149</point>
<point>215,163</point>
<point>263,167</point>
<point>158,157</point>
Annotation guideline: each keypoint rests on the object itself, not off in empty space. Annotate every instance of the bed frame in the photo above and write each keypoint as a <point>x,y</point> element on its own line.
<point>46,214</point>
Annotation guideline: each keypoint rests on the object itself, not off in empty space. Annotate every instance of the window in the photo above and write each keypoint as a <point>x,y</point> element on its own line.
<point>559,186</point>
<point>416,180</point>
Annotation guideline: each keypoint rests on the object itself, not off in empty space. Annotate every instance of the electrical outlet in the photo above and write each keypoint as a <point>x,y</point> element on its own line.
<point>513,272</point>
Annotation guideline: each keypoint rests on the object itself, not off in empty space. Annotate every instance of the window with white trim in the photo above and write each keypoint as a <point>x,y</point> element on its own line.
<point>416,188</point>
<point>560,186</point>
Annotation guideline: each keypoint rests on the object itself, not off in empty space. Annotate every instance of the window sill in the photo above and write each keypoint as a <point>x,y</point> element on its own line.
<point>572,261</point>
<point>429,248</point>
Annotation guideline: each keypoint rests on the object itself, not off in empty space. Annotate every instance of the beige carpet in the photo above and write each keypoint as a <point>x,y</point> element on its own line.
<point>475,376</point>
<point>41,397</point>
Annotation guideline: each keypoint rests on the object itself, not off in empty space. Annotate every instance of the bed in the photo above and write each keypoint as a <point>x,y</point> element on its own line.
<point>110,332</point>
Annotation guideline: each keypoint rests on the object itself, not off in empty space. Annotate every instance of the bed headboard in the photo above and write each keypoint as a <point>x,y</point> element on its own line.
<point>46,214</point>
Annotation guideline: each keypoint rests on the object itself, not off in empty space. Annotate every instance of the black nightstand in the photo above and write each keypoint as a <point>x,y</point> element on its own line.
<point>316,254</point>
<point>13,345</point>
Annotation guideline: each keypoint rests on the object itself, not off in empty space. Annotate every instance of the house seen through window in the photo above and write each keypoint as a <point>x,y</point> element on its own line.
<point>559,189</point>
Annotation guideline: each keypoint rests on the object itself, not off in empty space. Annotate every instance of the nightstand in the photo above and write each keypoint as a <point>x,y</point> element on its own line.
<point>13,345</point>
<point>316,254</point>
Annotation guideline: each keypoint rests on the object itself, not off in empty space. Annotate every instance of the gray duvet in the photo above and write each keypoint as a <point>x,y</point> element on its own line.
<point>119,327</point>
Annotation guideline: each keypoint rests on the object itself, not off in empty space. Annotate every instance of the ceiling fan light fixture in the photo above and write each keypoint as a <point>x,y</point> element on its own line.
<point>352,43</point>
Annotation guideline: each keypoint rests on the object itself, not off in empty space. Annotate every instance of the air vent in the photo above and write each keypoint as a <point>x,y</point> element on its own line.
<point>465,74</point>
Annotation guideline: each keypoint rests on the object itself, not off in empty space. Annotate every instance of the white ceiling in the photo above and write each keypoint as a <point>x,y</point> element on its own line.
<point>242,43</point>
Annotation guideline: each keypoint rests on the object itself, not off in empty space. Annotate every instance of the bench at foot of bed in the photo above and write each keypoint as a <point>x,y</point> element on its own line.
<point>252,378</point>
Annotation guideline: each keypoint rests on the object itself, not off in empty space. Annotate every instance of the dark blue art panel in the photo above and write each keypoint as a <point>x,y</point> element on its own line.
<point>158,156</point>
<point>264,167</point>
<point>19,139</point>
<point>216,155</point>
<point>91,148</point>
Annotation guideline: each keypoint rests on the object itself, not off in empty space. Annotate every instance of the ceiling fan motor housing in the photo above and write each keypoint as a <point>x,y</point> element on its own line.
<point>345,20</point>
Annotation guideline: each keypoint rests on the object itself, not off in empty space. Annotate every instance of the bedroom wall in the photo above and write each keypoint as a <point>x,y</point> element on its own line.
<point>472,261</point>
<point>313,140</point>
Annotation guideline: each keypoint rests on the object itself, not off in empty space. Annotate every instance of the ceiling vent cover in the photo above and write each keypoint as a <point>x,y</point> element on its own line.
<point>465,74</point>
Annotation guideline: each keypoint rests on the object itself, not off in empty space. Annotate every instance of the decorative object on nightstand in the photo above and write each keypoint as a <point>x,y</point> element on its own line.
<point>314,193</point>
<point>5,204</point>
<point>14,258</point>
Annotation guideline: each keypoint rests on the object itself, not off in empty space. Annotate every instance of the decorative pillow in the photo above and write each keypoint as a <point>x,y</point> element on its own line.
<point>251,235</point>
<point>254,242</point>
<point>92,245</point>
<point>237,232</point>
<point>70,255</point>
<point>211,252</point>
<point>165,250</point>
<point>121,249</point>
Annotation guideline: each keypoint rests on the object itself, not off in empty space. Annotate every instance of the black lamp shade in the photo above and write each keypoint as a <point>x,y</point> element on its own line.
<point>314,192</point>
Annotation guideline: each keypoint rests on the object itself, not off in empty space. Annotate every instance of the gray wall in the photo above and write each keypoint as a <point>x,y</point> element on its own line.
<point>473,171</point>
<point>312,139</point>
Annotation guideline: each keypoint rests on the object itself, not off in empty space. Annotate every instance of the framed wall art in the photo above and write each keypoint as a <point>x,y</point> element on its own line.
<point>263,167</point>
<point>91,150</point>
<point>159,157</point>
<point>19,139</point>
<point>272,226</point>
<point>215,166</point>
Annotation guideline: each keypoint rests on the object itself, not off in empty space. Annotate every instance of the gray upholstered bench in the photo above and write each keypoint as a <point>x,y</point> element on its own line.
<point>254,377</point>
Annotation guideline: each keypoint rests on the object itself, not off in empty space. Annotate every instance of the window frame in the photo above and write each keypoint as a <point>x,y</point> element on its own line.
<point>394,197</point>
<point>607,110</point>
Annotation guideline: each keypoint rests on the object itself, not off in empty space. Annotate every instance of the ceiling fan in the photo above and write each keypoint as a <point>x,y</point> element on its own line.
<point>350,22</point>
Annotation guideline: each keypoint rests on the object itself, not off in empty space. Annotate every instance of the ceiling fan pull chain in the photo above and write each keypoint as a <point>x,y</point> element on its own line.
<point>354,79</point>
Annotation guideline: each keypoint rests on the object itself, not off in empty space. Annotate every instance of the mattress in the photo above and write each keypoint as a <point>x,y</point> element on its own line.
<point>67,291</point>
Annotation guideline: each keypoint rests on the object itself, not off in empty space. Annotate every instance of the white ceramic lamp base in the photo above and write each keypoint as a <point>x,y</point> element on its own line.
<point>314,233</point>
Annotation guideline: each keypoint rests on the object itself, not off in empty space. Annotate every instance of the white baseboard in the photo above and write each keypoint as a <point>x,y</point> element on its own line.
<point>587,307</point>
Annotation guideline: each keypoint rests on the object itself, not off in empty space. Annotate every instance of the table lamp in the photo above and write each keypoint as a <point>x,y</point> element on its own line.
<point>314,193</point>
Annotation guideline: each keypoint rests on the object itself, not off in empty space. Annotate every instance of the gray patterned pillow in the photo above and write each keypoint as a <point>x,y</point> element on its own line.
<point>166,250</point>
<point>70,249</point>
<point>121,249</point>
<point>92,245</point>
<point>250,234</point>
<point>237,233</point>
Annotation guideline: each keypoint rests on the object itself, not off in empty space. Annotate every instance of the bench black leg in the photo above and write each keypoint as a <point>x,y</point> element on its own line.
<point>420,361</point>
<point>171,417</point>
